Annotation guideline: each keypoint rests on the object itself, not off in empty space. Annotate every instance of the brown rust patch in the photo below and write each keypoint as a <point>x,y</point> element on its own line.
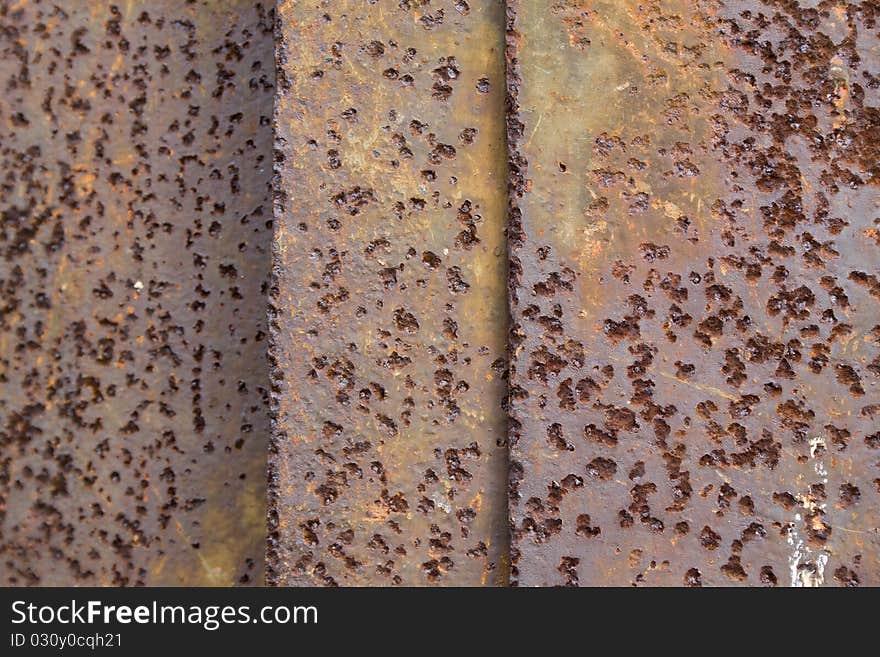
<point>135,229</point>
<point>694,387</point>
<point>389,314</point>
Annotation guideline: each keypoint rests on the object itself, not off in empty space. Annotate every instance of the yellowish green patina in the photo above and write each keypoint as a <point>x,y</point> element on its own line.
<point>389,463</point>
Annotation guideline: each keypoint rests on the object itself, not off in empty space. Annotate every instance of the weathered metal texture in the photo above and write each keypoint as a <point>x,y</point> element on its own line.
<point>694,284</point>
<point>389,316</point>
<point>135,234</point>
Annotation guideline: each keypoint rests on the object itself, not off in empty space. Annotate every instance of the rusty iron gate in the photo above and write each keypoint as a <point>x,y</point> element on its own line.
<point>559,292</point>
<point>694,292</point>
<point>135,241</point>
<point>389,313</point>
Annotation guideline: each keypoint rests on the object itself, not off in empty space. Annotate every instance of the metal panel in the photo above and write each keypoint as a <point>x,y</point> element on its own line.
<point>135,232</point>
<point>694,281</point>
<point>389,318</point>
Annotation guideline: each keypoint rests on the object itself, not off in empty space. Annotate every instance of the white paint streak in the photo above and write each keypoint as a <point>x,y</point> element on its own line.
<point>813,572</point>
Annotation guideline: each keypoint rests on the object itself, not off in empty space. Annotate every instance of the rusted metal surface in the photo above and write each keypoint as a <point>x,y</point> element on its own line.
<point>694,284</point>
<point>135,232</point>
<point>389,315</point>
